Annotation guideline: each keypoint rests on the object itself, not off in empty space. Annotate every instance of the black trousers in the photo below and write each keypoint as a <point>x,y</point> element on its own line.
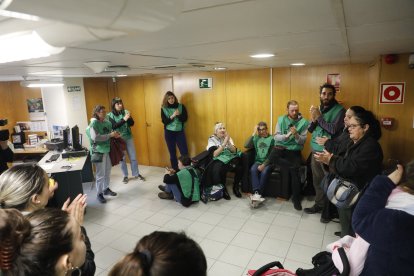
<point>217,171</point>
<point>290,162</point>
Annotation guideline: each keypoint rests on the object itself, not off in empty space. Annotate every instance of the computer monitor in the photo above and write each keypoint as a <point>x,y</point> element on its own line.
<point>65,134</point>
<point>76,145</point>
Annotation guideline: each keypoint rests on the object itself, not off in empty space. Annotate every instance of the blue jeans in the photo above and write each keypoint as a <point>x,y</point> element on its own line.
<point>172,188</point>
<point>173,139</point>
<point>130,150</point>
<point>259,179</point>
<point>103,173</point>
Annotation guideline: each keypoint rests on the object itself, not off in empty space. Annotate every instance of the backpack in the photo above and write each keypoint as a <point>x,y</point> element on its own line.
<point>324,266</point>
<point>267,270</point>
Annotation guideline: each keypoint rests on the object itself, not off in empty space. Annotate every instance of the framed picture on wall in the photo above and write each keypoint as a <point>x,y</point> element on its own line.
<point>335,80</point>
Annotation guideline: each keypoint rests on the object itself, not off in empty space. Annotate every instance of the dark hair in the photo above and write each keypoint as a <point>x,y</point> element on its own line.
<point>185,160</point>
<point>357,109</point>
<point>165,99</point>
<point>262,124</point>
<point>19,183</point>
<point>113,109</point>
<point>408,182</point>
<point>366,117</point>
<point>96,110</point>
<point>291,102</point>
<point>34,243</point>
<point>327,85</point>
<point>163,254</point>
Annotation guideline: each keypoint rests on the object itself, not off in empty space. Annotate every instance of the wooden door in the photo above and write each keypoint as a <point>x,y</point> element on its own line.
<point>154,90</point>
<point>131,91</point>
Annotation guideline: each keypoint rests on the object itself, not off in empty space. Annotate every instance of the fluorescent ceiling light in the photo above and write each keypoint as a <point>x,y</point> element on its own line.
<point>41,83</point>
<point>19,15</point>
<point>25,45</point>
<point>298,64</point>
<point>220,68</point>
<point>122,75</point>
<point>262,55</point>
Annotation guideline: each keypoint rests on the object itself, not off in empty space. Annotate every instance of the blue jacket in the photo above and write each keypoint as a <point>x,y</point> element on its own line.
<point>389,232</point>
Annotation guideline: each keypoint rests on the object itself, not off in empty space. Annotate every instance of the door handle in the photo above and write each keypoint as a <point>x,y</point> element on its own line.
<point>148,125</point>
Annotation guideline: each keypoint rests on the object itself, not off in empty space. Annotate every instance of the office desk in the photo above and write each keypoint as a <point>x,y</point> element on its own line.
<point>29,153</point>
<point>69,173</point>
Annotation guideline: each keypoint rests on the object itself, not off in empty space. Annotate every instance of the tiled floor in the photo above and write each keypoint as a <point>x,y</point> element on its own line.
<point>233,236</point>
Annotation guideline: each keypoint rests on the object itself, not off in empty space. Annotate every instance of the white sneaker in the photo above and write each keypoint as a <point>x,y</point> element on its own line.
<point>256,199</point>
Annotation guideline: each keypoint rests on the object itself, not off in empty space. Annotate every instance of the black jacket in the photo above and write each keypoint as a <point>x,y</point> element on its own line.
<point>360,163</point>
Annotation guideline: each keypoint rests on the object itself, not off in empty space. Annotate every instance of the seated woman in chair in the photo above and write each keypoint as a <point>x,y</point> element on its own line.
<point>226,158</point>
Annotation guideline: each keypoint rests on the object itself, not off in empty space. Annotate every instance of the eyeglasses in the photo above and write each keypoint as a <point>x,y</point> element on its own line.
<point>353,126</point>
<point>262,129</point>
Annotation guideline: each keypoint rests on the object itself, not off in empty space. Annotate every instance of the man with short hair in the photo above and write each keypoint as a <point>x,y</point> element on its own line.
<point>326,120</point>
<point>263,143</point>
<point>290,136</point>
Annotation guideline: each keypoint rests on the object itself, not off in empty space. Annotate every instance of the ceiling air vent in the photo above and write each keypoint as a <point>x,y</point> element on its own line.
<point>117,68</point>
<point>165,67</point>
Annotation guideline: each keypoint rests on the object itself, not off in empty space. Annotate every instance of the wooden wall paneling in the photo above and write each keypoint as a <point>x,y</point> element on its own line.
<point>205,107</point>
<point>397,142</point>
<point>97,91</point>
<point>281,93</point>
<point>248,102</point>
<point>154,90</point>
<point>20,96</point>
<point>6,106</point>
<point>131,91</point>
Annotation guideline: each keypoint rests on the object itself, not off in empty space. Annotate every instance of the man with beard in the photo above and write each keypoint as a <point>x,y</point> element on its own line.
<point>289,138</point>
<point>326,120</point>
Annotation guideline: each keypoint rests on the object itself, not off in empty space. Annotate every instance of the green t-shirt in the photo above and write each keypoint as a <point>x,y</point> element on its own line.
<point>104,127</point>
<point>175,125</point>
<point>125,129</point>
<point>284,123</point>
<point>186,181</point>
<point>261,146</point>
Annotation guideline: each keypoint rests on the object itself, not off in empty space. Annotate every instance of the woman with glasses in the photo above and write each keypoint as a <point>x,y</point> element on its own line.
<point>174,116</point>
<point>361,160</point>
<point>99,133</point>
<point>122,121</point>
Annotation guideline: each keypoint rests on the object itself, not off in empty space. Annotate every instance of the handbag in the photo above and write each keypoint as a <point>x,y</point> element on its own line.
<point>342,193</point>
<point>96,157</point>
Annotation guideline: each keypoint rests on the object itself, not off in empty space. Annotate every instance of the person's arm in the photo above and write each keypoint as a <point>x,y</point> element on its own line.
<point>334,127</point>
<point>130,121</point>
<point>115,124</point>
<point>95,136</point>
<point>358,163</point>
<point>312,126</point>
<point>165,119</point>
<point>268,160</point>
<point>171,178</point>
<point>183,116</point>
<point>370,213</point>
<point>279,136</point>
<point>249,143</point>
<point>300,138</point>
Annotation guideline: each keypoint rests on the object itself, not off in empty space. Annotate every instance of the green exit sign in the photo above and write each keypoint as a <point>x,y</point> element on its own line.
<point>206,83</point>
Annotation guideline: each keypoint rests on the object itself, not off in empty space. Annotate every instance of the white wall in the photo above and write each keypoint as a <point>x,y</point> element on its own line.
<point>66,108</point>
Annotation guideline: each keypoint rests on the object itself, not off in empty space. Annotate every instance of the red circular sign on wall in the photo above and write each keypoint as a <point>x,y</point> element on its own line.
<point>392,93</point>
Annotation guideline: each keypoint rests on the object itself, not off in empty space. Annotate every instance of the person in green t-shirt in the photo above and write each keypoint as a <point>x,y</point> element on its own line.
<point>99,133</point>
<point>122,121</point>
<point>182,184</point>
<point>263,143</point>
<point>174,116</point>
<point>290,136</point>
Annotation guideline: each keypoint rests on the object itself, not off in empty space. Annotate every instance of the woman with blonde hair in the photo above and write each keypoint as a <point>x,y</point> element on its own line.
<point>174,116</point>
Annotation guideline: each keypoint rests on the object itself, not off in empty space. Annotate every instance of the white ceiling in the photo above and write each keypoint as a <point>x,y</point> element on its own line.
<point>193,33</point>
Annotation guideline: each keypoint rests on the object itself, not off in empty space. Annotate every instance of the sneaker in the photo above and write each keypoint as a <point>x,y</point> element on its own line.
<point>338,233</point>
<point>125,180</point>
<point>165,195</point>
<point>256,199</point>
<point>325,220</point>
<point>101,198</point>
<point>109,192</point>
<point>140,177</point>
<point>313,210</point>
<point>161,187</point>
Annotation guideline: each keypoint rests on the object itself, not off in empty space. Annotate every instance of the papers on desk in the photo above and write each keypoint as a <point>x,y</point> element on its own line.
<point>46,166</point>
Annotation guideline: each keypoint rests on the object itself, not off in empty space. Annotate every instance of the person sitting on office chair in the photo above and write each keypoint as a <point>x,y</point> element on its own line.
<point>263,143</point>
<point>27,188</point>
<point>291,130</point>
